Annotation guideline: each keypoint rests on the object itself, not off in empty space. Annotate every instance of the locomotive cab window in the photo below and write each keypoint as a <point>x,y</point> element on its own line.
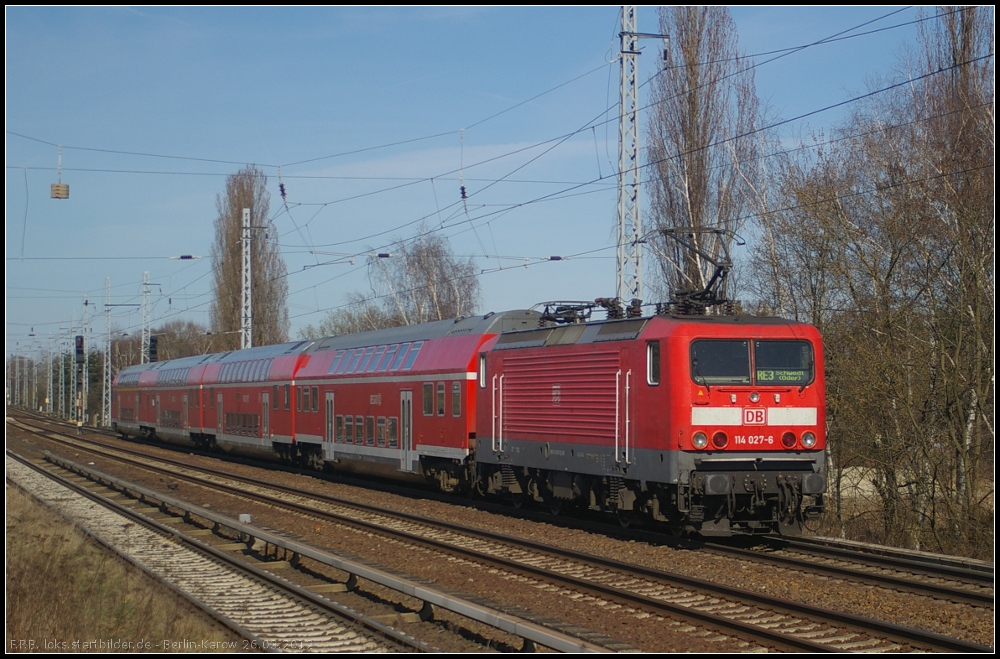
<point>783,362</point>
<point>653,362</point>
<point>715,362</point>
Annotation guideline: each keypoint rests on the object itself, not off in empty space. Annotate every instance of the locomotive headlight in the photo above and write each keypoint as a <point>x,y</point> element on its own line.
<point>808,440</point>
<point>700,440</point>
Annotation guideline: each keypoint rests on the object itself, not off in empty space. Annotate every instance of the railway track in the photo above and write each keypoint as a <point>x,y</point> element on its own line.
<point>962,582</point>
<point>746,615</point>
<point>268,614</point>
<point>950,579</point>
<point>307,571</point>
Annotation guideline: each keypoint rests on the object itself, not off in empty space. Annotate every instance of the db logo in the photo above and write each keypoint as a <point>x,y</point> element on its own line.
<point>754,416</point>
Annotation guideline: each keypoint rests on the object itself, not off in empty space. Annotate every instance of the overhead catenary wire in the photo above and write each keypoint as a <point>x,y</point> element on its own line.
<point>568,190</point>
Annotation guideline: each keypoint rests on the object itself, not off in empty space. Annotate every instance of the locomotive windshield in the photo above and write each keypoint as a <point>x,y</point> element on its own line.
<point>783,362</point>
<point>728,362</point>
<point>720,362</point>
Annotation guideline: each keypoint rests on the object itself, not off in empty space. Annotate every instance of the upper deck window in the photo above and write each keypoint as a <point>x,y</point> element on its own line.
<point>783,362</point>
<point>412,355</point>
<point>716,362</point>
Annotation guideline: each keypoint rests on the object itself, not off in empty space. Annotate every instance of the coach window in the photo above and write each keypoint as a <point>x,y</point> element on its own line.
<point>349,430</point>
<point>428,399</point>
<point>390,354</point>
<point>376,358</point>
<point>344,362</point>
<point>653,362</point>
<point>440,398</point>
<point>305,399</point>
<point>456,399</point>
<point>274,397</point>
<point>315,397</point>
<point>359,430</point>
<point>298,399</point>
<point>370,431</point>
<point>381,431</point>
<point>398,360</point>
<point>339,425</point>
<point>393,432</point>
<point>363,366</point>
<point>412,355</point>
<point>288,397</point>
<point>336,361</point>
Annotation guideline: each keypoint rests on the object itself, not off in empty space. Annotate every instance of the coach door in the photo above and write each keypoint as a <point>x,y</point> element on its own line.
<point>265,415</point>
<point>406,430</point>
<point>219,428</point>
<point>329,443</point>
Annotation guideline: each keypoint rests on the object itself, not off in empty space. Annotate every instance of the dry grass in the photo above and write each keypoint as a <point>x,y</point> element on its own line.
<point>65,593</point>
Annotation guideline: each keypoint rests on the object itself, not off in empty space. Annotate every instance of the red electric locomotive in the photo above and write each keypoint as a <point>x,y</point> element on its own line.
<point>713,424</point>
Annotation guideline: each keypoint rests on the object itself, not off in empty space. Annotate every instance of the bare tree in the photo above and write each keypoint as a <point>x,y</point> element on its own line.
<point>248,189</point>
<point>420,281</point>
<point>703,146</point>
<point>886,239</point>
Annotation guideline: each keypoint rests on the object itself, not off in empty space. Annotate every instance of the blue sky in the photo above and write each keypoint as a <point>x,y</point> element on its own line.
<point>376,116</point>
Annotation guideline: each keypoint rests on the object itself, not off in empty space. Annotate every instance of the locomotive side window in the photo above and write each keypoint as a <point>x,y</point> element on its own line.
<point>653,362</point>
<point>720,362</point>
<point>482,371</point>
<point>428,399</point>
<point>783,362</point>
<point>456,399</point>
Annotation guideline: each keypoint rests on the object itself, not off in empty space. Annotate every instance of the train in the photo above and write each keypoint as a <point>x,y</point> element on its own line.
<point>701,424</point>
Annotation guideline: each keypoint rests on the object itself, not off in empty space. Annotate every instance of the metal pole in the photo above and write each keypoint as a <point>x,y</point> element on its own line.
<point>629,276</point>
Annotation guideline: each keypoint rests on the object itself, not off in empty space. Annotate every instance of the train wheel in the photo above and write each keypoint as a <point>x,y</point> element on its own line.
<point>625,518</point>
